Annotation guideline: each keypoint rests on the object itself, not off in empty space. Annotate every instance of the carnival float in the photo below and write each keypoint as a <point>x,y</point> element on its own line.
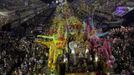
<point>76,37</point>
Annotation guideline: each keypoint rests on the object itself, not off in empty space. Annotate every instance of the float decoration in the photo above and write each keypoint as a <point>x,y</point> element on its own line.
<point>84,34</point>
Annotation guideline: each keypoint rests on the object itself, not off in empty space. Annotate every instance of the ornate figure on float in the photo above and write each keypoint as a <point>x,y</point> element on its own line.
<point>56,45</point>
<point>104,49</point>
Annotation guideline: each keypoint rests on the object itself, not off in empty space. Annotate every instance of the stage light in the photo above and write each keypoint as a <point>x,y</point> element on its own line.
<point>120,10</point>
<point>96,58</point>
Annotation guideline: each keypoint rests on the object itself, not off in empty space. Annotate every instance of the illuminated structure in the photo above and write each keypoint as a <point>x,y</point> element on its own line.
<point>66,24</point>
<point>57,40</point>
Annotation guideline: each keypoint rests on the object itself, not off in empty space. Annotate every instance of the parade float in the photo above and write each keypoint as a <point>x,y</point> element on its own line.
<point>76,37</point>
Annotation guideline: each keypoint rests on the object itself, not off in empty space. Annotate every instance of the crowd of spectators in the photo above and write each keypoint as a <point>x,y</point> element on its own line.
<point>10,53</point>
<point>123,47</point>
<point>18,52</point>
<point>21,55</point>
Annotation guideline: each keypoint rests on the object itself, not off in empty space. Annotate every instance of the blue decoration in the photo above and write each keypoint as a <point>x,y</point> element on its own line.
<point>93,27</point>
